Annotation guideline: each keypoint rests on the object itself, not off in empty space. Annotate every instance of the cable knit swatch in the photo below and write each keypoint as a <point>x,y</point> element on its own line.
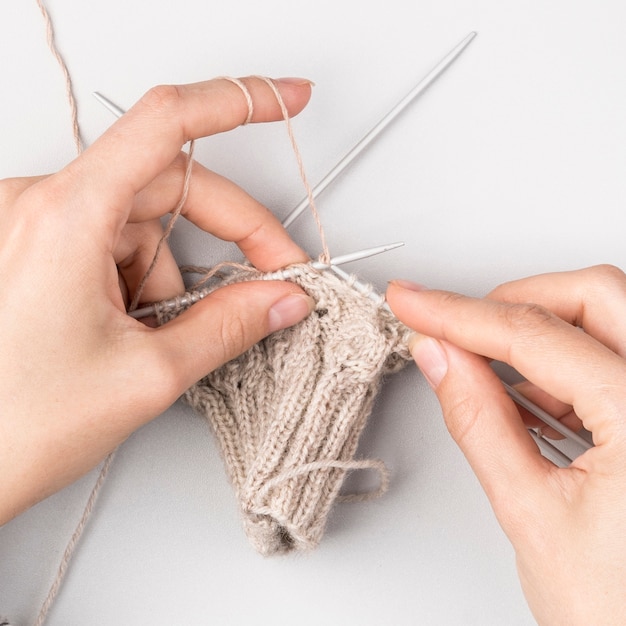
<point>288,413</point>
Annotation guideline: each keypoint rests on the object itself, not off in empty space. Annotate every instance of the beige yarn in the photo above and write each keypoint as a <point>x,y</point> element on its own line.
<point>289,412</point>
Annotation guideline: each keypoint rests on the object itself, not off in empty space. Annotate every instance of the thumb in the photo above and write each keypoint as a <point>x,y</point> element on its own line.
<point>483,421</point>
<point>224,325</point>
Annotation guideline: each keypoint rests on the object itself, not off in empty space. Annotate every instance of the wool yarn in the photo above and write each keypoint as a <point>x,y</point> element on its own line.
<point>288,413</point>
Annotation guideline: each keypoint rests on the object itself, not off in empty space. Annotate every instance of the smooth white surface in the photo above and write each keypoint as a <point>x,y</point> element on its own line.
<point>512,164</point>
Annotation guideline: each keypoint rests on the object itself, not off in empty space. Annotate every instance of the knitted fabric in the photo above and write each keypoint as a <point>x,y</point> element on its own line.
<point>288,413</point>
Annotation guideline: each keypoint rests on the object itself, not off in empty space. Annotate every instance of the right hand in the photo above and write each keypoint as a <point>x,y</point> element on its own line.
<point>567,525</point>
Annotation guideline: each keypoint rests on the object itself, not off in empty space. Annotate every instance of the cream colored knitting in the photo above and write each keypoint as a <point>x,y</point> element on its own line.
<point>289,412</point>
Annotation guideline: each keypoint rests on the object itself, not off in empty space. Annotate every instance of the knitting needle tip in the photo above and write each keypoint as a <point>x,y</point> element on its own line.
<point>421,86</point>
<point>364,254</point>
<point>545,417</point>
<point>111,106</point>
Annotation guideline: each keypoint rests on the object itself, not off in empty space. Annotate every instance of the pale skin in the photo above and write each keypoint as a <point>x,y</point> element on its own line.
<point>567,525</point>
<point>79,375</point>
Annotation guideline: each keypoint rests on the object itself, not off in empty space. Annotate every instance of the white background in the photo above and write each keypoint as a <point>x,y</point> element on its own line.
<point>511,164</point>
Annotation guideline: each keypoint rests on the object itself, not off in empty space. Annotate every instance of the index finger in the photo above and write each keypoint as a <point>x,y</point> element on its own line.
<point>593,298</point>
<point>561,359</point>
<point>144,141</point>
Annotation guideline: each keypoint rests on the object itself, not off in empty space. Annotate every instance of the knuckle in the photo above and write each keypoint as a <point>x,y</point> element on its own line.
<point>44,207</point>
<point>607,277</point>
<point>255,235</point>
<point>454,303</point>
<point>462,417</point>
<point>529,324</point>
<point>528,317</point>
<point>52,192</point>
<point>162,99</point>
<point>10,188</point>
<point>233,335</point>
<point>237,321</point>
<point>452,298</point>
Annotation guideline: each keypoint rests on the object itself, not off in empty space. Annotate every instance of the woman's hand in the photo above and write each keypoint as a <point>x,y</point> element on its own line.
<point>77,374</point>
<point>567,525</point>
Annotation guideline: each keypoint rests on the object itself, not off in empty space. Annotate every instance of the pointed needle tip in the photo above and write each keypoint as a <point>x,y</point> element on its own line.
<point>111,106</point>
<point>364,254</point>
<point>381,125</point>
<point>466,41</point>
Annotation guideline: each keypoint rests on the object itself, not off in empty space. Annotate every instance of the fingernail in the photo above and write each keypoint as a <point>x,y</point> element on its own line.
<point>407,284</point>
<point>292,80</point>
<point>289,311</point>
<point>430,357</point>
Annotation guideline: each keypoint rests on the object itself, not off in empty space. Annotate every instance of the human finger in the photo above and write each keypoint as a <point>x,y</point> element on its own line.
<point>222,208</point>
<point>219,328</point>
<point>593,298</point>
<point>133,256</point>
<point>144,141</point>
<point>483,421</point>
<point>569,364</point>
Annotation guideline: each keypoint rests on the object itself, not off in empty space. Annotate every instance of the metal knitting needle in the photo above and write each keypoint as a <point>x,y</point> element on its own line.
<point>358,255</point>
<point>367,139</point>
<point>193,297</point>
<point>382,124</point>
<point>549,450</point>
<point>111,106</point>
<point>359,286</point>
<point>546,418</point>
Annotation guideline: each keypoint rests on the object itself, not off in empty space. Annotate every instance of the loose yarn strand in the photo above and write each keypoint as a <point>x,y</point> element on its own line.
<point>93,496</point>
<point>68,79</point>
<point>168,229</point>
<point>73,542</point>
<point>325,256</point>
<point>307,468</point>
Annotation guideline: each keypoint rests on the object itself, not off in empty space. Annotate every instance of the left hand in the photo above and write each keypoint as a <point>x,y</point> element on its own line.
<point>78,374</point>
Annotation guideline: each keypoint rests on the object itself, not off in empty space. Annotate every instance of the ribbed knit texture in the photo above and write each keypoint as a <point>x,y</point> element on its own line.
<point>289,412</point>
